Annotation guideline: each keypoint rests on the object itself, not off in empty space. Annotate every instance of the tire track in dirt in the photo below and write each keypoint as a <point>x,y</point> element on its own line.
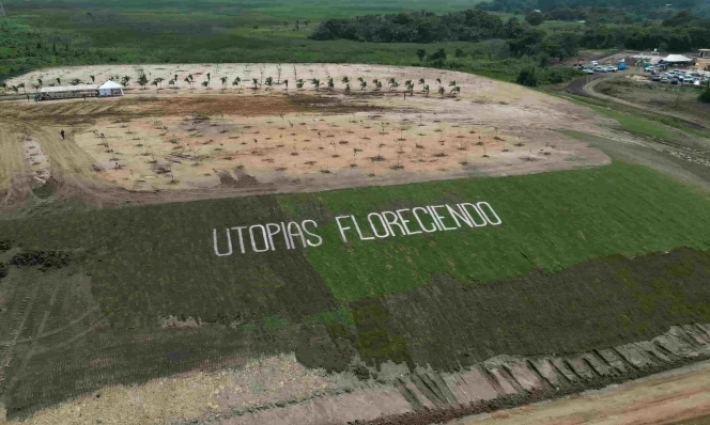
<point>42,324</point>
<point>54,332</point>
<point>64,155</point>
<point>7,358</point>
<point>11,159</point>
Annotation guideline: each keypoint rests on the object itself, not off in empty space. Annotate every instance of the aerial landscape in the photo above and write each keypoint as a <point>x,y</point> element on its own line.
<point>394,212</point>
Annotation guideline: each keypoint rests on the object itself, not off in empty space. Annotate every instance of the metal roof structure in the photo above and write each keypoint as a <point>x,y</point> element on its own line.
<point>676,59</point>
<point>78,87</point>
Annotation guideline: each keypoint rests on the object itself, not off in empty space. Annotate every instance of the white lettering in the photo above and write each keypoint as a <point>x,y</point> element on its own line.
<point>426,211</point>
<point>319,240</point>
<point>298,233</point>
<point>357,227</point>
<point>253,239</point>
<point>459,215</point>
<point>276,230</point>
<point>393,222</point>
<point>405,222</point>
<point>229,243</point>
<point>480,206</point>
<point>374,229</point>
<point>341,227</point>
<point>440,218</point>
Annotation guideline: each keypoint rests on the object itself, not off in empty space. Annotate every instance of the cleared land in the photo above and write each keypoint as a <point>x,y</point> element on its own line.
<point>305,295</point>
<point>282,138</point>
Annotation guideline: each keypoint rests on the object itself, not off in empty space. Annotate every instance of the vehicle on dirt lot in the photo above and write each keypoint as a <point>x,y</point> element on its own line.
<point>656,78</point>
<point>588,71</point>
<point>674,81</point>
<point>599,69</point>
<point>664,79</point>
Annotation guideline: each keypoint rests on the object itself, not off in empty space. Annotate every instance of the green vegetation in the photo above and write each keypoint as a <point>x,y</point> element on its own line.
<point>549,278</point>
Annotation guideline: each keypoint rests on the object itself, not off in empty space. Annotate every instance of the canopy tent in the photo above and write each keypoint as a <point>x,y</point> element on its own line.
<point>677,59</point>
<point>110,88</point>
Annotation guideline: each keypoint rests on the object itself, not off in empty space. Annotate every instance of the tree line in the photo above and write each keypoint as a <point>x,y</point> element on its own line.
<point>680,32</point>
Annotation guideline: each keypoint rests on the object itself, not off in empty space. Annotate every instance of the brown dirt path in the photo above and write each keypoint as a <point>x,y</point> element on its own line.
<point>666,398</point>
<point>11,159</point>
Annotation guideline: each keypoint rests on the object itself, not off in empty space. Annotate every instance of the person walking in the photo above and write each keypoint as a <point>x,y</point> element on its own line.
<point>62,133</point>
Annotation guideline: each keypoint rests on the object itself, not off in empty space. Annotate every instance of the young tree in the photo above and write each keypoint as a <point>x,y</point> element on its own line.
<point>345,80</point>
<point>316,83</point>
<point>534,18</point>
<point>255,82</point>
<point>93,78</point>
<point>269,82</point>
<point>171,83</point>
<point>206,84</point>
<point>125,80</point>
<point>393,84</point>
<point>39,81</point>
<point>426,89</point>
<point>16,89</point>
<point>209,76</point>
<point>299,83</point>
<point>160,80</point>
<point>421,81</point>
<point>456,90</point>
<point>286,83</point>
<point>452,83</point>
<point>236,81</point>
<point>363,84</point>
<point>155,83</point>
<point>421,54</point>
<point>59,80</point>
<point>188,81</point>
<point>224,82</point>
<point>331,84</point>
<point>142,81</point>
<point>442,91</point>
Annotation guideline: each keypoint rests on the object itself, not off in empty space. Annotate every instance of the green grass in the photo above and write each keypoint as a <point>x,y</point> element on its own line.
<point>550,222</point>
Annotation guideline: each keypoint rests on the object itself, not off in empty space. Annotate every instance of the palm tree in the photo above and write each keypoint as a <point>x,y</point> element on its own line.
<point>59,80</point>
<point>442,91</point>
<point>345,80</point>
<point>286,82</point>
<point>171,82</point>
<point>188,81</point>
<point>410,88</point>
<point>39,81</point>
<point>378,86</point>
<point>408,83</point>
<point>456,90</point>
<point>452,83</point>
<point>363,84</point>
<point>426,89</point>
<point>125,80</point>
<point>93,78</point>
<point>206,84</point>
<point>269,82</point>
<point>392,83</point>
<point>236,81</point>
<point>331,84</point>
<point>224,82</point>
<point>421,81</point>
<point>255,82</point>
<point>316,83</point>
<point>299,83</point>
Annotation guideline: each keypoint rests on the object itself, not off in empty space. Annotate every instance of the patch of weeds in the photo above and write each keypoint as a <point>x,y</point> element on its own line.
<point>5,244</point>
<point>45,259</point>
<point>43,192</point>
<point>397,167</point>
<point>440,155</point>
<point>377,158</point>
<point>325,171</point>
<point>3,270</point>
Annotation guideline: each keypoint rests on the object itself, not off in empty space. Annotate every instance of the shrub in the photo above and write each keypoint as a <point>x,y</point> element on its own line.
<point>3,270</point>
<point>527,77</point>
<point>5,244</point>
<point>45,259</point>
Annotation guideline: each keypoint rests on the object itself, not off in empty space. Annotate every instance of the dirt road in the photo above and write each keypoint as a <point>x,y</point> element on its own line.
<point>666,398</point>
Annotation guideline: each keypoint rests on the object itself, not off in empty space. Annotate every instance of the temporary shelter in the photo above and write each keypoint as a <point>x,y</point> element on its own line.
<point>110,88</point>
<point>68,92</point>
<point>677,59</point>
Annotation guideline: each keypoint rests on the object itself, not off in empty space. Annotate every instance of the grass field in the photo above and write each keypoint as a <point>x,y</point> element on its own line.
<point>564,248</point>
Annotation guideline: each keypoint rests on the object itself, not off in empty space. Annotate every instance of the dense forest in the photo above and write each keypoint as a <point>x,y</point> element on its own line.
<point>680,32</point>
<point>633,10</point>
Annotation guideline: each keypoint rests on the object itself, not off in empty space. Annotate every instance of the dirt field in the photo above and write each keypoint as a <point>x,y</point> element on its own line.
<point>667,398</point>
<point>258,137</point>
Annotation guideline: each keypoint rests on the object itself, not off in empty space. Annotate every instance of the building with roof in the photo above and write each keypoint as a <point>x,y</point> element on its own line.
<point>110,88</point>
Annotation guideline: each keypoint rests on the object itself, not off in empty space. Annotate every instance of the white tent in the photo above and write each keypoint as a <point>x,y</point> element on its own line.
<point>110,88</point>
<point>677,59</point>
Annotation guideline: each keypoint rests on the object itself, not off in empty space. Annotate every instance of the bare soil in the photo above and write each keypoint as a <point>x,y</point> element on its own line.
<point>252,138</point>
<point>676,396</point>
